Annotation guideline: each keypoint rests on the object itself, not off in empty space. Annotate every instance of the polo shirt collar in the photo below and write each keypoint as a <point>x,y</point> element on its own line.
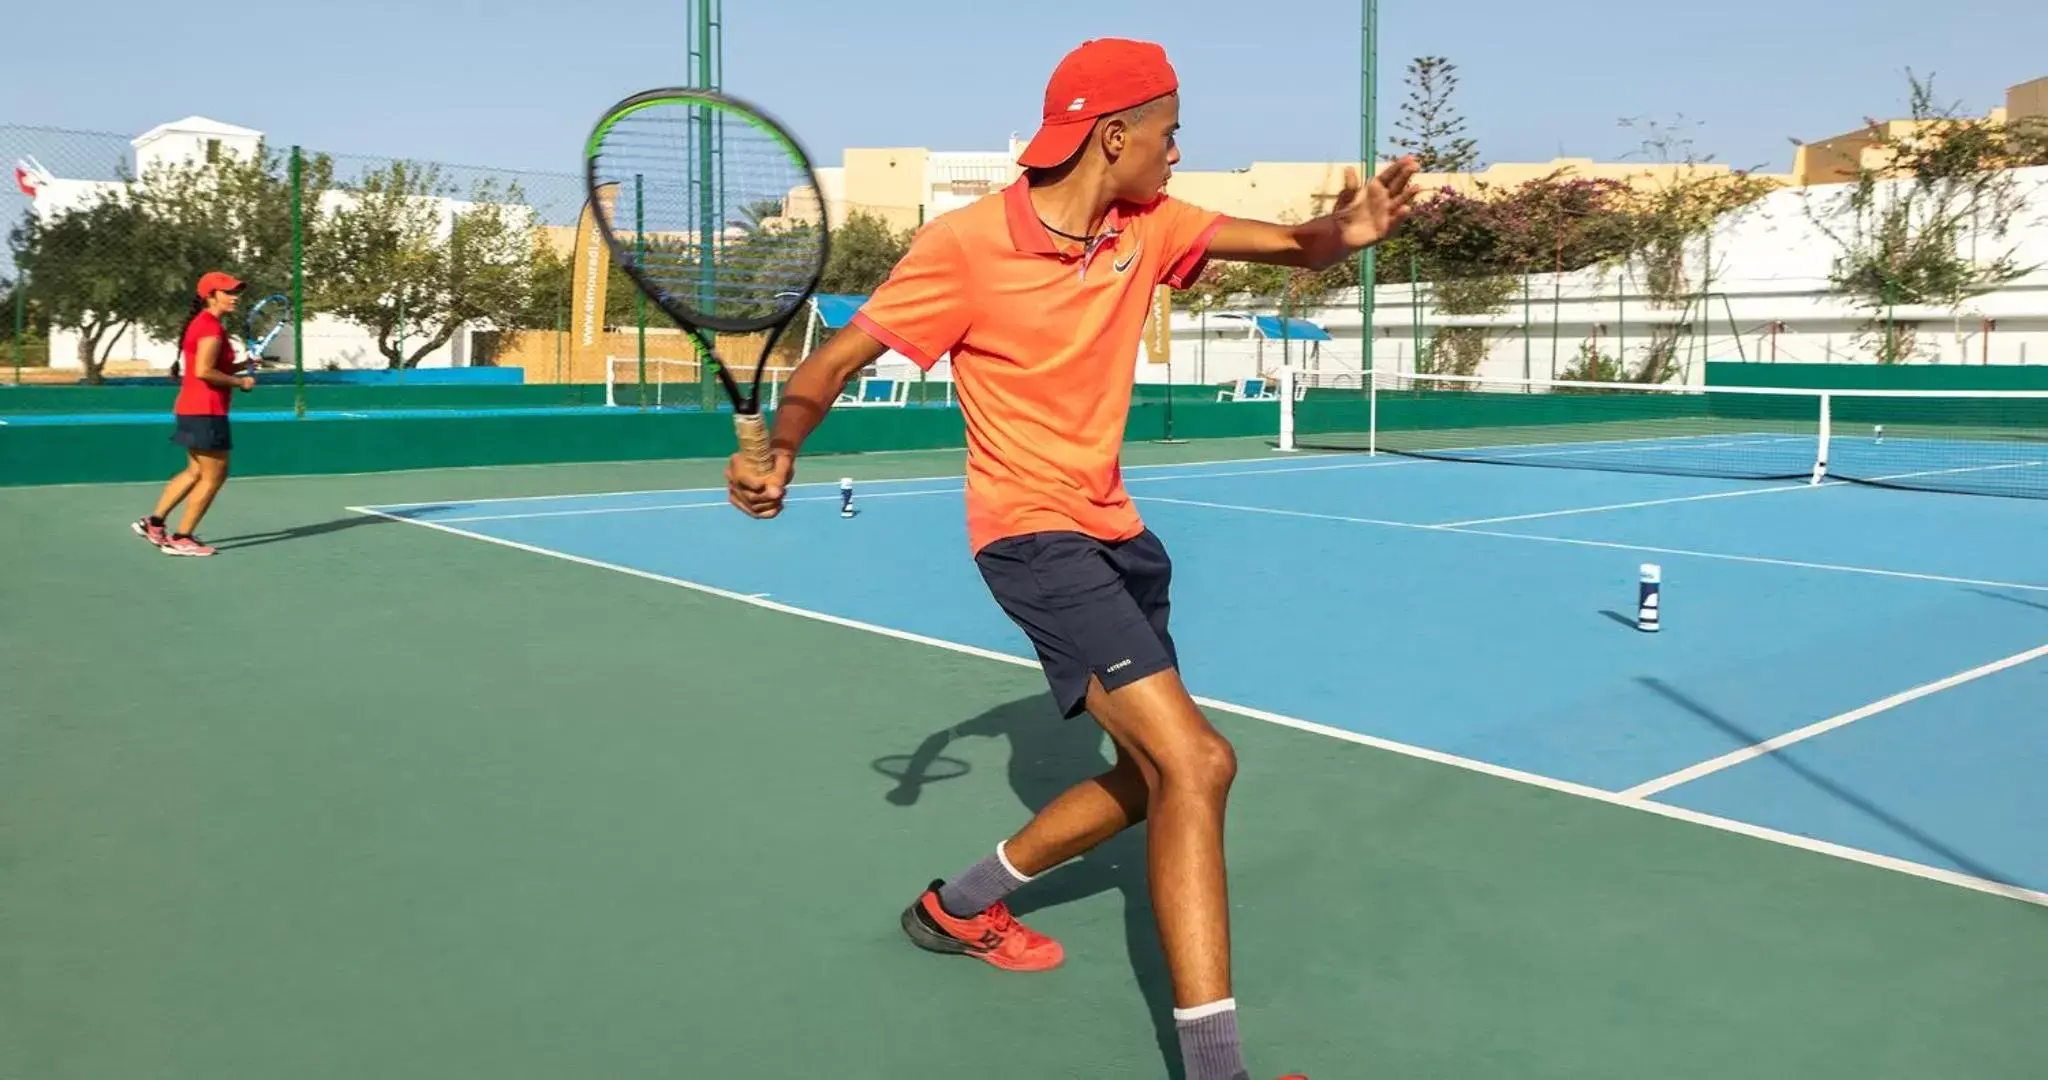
<point>1028,233</point>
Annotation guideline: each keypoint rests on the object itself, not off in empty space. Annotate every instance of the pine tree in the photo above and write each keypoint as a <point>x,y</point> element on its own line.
<point>1430,126</point>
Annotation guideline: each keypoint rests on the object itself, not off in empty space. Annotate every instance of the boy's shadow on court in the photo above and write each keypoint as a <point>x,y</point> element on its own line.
<point>1048,755</point>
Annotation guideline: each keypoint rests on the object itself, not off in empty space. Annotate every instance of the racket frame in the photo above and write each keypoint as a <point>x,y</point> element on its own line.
<point>747,421</point>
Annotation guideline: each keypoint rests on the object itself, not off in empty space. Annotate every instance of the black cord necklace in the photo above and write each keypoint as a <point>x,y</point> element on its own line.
<point>1068,235</point>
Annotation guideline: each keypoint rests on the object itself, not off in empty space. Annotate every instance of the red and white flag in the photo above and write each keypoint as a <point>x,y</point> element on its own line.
<point>31,177</point>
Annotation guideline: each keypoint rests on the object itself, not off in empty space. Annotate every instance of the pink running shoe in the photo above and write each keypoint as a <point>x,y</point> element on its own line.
<point>150,531</point>
<point>179,544</point>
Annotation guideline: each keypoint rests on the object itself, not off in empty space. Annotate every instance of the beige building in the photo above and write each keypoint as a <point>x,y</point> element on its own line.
<point>1838,159</point>
<point>907,185</point>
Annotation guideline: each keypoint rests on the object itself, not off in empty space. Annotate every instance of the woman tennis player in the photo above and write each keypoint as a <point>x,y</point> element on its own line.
<point>201,412</point>
<point>1039,293</point>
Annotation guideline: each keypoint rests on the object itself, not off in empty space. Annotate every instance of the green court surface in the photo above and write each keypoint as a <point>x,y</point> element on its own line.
<point>360,799</point>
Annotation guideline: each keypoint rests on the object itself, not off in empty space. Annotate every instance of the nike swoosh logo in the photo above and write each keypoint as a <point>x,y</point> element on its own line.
<point>1124,263</point>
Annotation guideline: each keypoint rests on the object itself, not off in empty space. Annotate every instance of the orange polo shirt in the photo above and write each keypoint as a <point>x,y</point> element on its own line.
<point>1044,347</point>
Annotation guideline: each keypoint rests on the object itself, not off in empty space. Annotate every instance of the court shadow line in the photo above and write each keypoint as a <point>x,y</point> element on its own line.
<point>299,532</point>
<point>2010,599</point>
<point>1048,755</point>
<point>1897,825</point>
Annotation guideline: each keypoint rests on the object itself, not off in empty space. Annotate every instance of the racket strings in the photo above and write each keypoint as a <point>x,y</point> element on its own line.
<point>713,208</point>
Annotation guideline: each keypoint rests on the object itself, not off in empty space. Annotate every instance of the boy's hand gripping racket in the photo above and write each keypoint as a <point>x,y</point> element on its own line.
<point>713,210</point>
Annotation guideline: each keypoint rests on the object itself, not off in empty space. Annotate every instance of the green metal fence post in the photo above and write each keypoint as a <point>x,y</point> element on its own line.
<point>20,322</point>
<point>298,285</point>
<point>1528,324</point>
<point>1621,321</point>
<point>1415,311</point>
<point>640,298</point>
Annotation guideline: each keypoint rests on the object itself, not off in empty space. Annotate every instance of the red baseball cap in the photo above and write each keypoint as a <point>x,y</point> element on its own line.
<point>214,281</point>
<point>1100,77</point>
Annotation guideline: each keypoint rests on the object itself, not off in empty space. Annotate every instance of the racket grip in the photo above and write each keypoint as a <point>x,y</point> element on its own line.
<point>753,433</point>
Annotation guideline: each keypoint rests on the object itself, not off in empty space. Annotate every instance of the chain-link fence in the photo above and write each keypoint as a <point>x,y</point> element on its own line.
<point>393,270</point>
<point>391,264</point>
<point>400,267</point>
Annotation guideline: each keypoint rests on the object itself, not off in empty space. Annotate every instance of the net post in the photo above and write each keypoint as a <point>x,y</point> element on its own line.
<point>1372,411</point>
<point>611,382</point>
<point>1286,409</point>
<point>1820,460</point>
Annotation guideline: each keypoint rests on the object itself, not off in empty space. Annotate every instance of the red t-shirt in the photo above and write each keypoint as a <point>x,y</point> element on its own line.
<point>196,396</point>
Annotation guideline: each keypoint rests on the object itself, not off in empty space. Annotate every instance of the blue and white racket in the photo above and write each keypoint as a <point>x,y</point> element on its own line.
<point>262,324</point>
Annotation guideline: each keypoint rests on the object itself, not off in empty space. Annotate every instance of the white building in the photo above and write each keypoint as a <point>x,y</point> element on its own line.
<point>330,342</point>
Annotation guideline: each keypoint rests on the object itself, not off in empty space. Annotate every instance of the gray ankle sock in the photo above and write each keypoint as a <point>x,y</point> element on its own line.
<point>1209,1047</point>
<point>981,887</point>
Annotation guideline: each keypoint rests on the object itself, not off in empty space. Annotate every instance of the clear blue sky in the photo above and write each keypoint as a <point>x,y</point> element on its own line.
<point>516,83</point>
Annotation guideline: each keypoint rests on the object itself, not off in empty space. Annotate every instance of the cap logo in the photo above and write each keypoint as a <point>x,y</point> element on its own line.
<point>1079,104</point>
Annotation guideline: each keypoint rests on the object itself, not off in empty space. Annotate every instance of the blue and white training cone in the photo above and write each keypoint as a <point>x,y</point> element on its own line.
<point>846,496</point>
<point>1649,599</point>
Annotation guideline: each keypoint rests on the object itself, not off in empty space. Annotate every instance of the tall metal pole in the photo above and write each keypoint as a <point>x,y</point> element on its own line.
<point>707,30</point>
<point>1368,157</point>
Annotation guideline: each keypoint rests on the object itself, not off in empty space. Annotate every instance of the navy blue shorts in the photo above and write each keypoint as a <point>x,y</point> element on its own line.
<point>203,433</point>
<point>1090,607</point>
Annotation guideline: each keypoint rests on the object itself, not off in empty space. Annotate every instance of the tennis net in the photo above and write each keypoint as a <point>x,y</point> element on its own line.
<point>673,384</point>
<point>1975,442</point>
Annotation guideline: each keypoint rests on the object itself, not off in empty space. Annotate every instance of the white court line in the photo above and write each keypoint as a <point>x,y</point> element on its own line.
<point>809,483</point>
<point>654,507</point>
<point>1636,505</point>
<point>1769,746</point>
<point>1960,469</point>
<point>1742,828</point>
<point>1762,560</point>
<point>1611,545</point>
<point>1735,494</point>
<point>1612,446</point>
<point>1603,446</point>
<point>705,505</point>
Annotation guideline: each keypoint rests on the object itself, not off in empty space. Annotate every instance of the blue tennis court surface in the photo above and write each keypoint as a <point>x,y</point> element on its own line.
<point>1897,642</point>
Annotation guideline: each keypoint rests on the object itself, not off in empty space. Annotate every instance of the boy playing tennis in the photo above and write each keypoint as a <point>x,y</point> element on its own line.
<point>1039,293</point>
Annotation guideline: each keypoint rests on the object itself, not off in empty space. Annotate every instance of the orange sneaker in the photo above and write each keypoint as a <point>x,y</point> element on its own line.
<point>994,935</point>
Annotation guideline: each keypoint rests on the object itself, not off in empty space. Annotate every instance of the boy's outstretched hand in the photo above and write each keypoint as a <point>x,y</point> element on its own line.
<point>1369,213</point>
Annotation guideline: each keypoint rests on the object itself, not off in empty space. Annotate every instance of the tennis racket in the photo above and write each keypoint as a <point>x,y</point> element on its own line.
<point>713,211</point>
<point>262,324</point>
